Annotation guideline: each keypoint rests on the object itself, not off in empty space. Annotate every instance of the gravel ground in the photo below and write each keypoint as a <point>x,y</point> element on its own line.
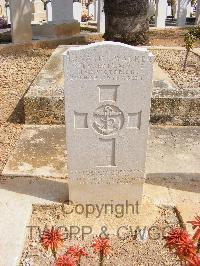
<point>17,71</point>
<point>126,251</point>
<point>169,37</point>
<point>172,61</point>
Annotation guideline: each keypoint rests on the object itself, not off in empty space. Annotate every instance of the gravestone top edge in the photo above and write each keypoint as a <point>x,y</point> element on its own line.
<point>109,43</point>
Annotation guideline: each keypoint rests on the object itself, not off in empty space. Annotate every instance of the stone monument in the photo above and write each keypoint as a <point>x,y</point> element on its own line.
<point>61,22</point>
<point>107,107</point>
<point>20,11</point>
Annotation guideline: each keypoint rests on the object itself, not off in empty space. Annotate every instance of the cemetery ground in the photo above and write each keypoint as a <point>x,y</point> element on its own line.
<point>18,70</point>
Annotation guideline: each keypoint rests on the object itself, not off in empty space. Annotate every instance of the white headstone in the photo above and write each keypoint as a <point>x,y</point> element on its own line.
<point>189,10</point>
<point>39,13</point>
<point>91,10</point>
<point>77,10</point>
<point>169,10</point>
<point>8,14</point>
<point>182,12</point>
<point>101,17</point>
<point>107,99</point>
<point>62,11</point>
<point>49,11</point>
<point>161,13</point>
<point>95,10</point>
<point>20,11</point>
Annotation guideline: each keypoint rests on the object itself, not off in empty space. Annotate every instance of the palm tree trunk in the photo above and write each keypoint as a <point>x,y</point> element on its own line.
<point>126,21</point>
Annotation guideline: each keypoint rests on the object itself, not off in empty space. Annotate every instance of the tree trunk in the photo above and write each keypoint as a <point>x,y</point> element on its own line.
<point>127,21</point>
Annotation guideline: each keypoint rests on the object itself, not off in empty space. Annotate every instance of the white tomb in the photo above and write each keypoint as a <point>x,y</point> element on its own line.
<point>107,107</point>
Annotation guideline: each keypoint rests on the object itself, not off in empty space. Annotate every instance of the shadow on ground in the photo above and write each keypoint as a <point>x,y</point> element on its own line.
<point>180,181</point>
<point>42,188</point>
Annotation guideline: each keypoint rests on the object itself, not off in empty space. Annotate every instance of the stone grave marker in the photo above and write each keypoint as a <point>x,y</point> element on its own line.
<point>20,11</point>
<point>107,107</point>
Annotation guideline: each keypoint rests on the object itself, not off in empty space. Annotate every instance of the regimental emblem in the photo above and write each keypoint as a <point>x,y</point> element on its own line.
<point>108,119</point>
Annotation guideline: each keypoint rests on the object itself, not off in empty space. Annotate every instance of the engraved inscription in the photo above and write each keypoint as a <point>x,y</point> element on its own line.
<point>106,67</point>
<point>108,119</point>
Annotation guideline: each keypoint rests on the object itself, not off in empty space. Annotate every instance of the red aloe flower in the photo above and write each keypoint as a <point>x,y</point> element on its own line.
<point>102,246</point>
<point>196,223</point>
<point>77,252</point>
<point>65,260</point>
<point>176,237</point>
<point>186,250</point>
<point>194,261</point>
<point>51,239</point>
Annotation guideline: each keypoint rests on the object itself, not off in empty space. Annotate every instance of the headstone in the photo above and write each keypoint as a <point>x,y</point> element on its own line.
<point>197,21</point>
<point>39,13</point>
<point>169,10</point>
<point>2,8</point>
<point>49,11</point>
<point>182,12</point>
<point>7,6</point>
<point>101,17</point>
<point>20,11</point>
<point>161,13</point>
<point>95,10</point>
<point>91,10</point>
<point>152,9</point>
<point>77,10</point>
<point>107,99</point>
<point>60,21</point>
<point>62,11</point>
<point>189,10</point>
